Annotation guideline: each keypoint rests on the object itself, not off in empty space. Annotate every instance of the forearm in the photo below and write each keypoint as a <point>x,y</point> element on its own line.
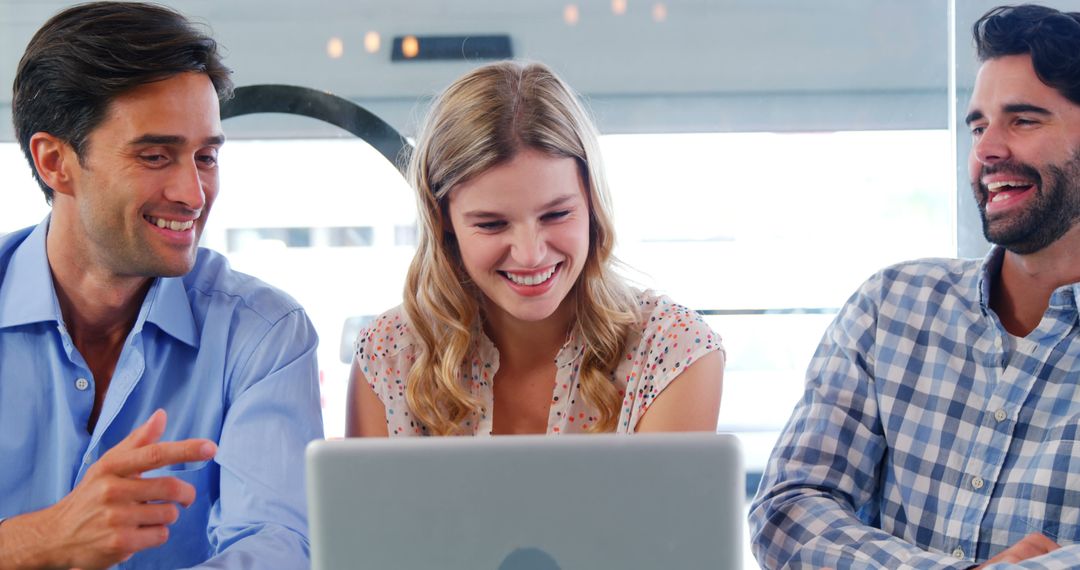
<point>822,486</point>
<point>1064,558</point>
<point>23,545</point>
<point>270,547</point>
<point>808,529</point>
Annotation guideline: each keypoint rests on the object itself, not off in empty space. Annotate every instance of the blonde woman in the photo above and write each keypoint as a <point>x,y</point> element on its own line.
<point>513,320</point>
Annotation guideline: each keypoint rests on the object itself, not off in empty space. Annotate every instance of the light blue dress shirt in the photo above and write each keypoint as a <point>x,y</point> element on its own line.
<point>229,358</point>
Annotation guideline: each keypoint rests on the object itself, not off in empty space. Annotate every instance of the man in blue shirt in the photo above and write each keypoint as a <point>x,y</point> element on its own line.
<point>940,427</point>
<point>154,404</point>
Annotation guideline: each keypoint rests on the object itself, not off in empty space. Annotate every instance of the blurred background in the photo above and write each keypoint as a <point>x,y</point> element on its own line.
<point>765,156</point>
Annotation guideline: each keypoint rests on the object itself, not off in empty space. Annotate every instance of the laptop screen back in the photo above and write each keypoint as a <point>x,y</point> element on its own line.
<point>527,502</point>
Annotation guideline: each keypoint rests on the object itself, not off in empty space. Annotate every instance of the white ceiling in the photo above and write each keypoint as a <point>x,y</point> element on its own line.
<point>710,65</point>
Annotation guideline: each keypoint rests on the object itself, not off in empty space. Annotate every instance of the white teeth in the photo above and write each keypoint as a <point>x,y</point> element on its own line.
<point>1000,197</point>
<point>535,279</point>
<point>172,225</point>
<point>996,186</point>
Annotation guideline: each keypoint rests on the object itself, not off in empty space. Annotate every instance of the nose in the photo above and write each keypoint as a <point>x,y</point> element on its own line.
<point>991,147</point>
<point>529,247</point>
<point>187,187</point>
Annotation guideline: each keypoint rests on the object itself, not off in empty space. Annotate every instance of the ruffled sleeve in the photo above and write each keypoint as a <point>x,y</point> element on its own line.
<point>672,338</point>
<point>384,352</point>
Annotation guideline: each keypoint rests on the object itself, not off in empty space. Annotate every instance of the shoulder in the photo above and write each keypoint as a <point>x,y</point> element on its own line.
<point>902,299</point>
<point>658,314</point>
<point>213,282</point>
<point>930,272</point>
<point>386,336</point>
<point>9,244</point>
<point>910,285</point>
<point>665,325</point>
<point>383,354</point>
<point>669,339</point>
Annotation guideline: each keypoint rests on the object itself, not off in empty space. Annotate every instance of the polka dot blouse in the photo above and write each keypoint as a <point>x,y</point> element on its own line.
<point>669,338</point>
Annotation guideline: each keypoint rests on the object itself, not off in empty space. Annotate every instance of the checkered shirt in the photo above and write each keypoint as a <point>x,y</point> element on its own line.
<point>928,437</point>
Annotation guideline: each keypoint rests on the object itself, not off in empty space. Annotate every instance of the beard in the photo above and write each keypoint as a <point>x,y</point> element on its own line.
<point>1047,215</point>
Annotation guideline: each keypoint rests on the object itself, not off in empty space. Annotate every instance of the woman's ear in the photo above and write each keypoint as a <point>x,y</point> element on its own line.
<point>54,160</point>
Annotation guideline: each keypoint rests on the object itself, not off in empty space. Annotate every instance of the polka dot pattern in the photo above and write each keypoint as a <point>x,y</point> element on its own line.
<point>669,338</point>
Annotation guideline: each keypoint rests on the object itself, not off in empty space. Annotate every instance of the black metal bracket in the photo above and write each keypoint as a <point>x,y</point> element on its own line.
<point>327,107</point>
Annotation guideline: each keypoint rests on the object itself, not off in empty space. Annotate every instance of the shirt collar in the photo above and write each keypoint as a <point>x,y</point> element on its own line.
<point>170,310</point>
<point>988,273</point>
<point>569,353</point>
<point>1063,297</point>
<point>26,291</point>
<point>27,294</point>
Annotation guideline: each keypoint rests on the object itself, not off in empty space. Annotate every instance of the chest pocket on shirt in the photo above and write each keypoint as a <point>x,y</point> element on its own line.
<point>186,471</point>
<point>204,476</point>
<point>201,474</point>
<point>1051,496</point>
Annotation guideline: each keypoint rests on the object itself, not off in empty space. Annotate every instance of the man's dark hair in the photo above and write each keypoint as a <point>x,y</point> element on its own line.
<point>87,55</point>
<point>1051,37</point>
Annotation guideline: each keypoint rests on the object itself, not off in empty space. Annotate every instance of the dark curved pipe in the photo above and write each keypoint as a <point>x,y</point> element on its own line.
<point>325,107</point>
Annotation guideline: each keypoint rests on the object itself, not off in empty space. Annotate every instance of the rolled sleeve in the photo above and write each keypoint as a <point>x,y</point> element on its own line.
<point>822,480</point>
<point>260,519</point>
<point>1064,558</point>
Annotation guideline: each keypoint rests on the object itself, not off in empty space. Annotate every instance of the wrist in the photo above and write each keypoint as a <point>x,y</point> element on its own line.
<point>23,544</point>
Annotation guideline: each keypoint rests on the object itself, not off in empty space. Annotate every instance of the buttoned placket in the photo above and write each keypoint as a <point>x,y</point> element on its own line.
<point>995,434</point>
<point>78,381</point>
<point>129,369</point>
<point>990,441</point>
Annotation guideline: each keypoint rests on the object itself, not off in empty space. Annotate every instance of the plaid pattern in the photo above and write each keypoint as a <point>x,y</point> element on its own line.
<point>928,437</point>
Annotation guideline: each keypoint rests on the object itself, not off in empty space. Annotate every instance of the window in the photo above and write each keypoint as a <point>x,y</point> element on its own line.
<point>769,253</point>
<point>24,203</point>
<point>324,223</point>
<point>765,157</point>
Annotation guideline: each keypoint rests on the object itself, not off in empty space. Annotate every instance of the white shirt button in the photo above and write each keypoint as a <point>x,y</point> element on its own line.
<point>977,482</point>
<point>959,552</point>
<point>82,384</point>
<point>1001,415</point>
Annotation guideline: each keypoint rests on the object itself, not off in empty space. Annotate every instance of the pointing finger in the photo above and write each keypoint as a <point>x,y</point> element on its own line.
<point>156,455</point>
<point>156,490</point>
<point>149,432</point>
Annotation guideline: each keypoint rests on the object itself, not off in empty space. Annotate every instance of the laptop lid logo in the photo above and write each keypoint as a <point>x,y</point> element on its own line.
<point>529,559</point>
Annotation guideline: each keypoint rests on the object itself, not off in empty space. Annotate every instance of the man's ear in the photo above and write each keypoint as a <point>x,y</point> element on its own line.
<point>54,160</point>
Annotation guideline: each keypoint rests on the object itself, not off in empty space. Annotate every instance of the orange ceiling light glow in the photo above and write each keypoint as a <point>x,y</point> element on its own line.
<point>659,12</point>
<point>570,14</point>
<point>618,7</point>
<point>410,46</point>
<point>335,48</point>
<point>372,41</point>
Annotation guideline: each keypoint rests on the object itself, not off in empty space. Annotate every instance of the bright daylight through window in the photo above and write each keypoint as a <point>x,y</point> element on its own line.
<point>761,231</point>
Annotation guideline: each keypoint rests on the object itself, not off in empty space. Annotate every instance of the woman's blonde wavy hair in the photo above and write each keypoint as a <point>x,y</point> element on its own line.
<point>480,121</point>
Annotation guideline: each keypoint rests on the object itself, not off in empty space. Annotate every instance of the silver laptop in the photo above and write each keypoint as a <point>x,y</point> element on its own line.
<point>571,502</point>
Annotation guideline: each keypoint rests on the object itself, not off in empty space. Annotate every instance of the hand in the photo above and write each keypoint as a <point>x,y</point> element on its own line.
<point>1030,546</point>
<point>113,512</point>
